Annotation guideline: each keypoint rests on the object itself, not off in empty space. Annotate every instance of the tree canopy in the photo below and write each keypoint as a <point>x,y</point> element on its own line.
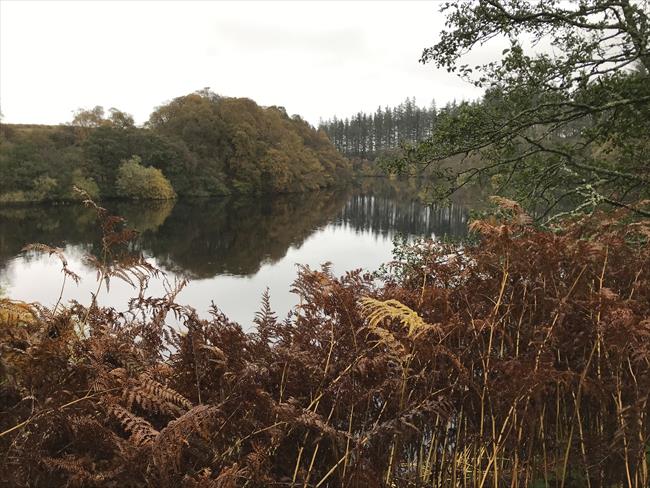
<point>247,148</point>
<point>566,111</point>
<point>204,144</point>
<point>369,135</point>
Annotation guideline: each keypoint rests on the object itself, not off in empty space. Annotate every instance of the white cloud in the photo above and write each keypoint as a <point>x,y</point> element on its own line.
<point>318,59</point>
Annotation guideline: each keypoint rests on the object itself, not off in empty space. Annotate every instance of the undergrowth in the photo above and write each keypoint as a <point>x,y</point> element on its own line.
<point>518,360</point>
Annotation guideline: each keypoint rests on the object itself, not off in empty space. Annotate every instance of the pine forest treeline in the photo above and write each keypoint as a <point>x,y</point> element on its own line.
<point>368,135</point>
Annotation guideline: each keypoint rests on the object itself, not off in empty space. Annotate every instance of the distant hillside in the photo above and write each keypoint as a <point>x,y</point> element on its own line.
<point>202,144</point>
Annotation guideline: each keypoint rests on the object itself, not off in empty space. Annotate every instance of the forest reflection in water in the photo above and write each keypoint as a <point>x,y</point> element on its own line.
<point>231,249</point>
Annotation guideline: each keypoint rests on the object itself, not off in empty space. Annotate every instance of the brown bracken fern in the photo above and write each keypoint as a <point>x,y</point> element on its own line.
<point>521,360</point>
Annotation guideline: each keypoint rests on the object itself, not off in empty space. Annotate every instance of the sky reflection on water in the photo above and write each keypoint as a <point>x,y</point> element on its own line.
<point>230,249</point>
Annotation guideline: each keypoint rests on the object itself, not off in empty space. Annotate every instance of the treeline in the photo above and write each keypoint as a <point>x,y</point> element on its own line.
<point>367,135</point>
<point>200,144</point>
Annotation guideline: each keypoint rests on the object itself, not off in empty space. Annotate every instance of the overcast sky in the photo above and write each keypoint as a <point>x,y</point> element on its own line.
<point>317,59</point>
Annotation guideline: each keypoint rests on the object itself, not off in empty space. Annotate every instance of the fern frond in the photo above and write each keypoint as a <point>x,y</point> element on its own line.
<point>142,432</point>
<point>164,392</point>
<point>78,471</point>
<point>15,313</point>
<point>189,432</point>
<point>377,311</point>
<point>506,204</point>
<point>154,397</point>
<point>149,402</point>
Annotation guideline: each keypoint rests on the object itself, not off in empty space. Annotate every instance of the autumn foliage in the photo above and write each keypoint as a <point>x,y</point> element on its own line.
<point>521,360</point>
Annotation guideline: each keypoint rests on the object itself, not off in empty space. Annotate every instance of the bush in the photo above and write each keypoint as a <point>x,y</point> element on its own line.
<point>14,197</point>
<point>84,183</point>
<point>142,183</point>
<point>44,188</point>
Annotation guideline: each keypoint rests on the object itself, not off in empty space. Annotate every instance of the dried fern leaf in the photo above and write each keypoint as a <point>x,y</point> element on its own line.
<point>163,392</point>
<point>142,432</point>
<point>377,311</point>
<point>14,313</point>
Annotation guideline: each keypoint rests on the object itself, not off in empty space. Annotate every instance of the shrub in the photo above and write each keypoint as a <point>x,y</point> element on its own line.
<point>14,197</point>
<point>45,188</point>
<point>142,183</point>
<point>84,183</point>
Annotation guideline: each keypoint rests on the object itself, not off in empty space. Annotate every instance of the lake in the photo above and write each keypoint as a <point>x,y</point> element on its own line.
<point>231,249</point>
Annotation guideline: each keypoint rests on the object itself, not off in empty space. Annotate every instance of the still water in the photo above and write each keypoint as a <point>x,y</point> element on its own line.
<point>231,249</point>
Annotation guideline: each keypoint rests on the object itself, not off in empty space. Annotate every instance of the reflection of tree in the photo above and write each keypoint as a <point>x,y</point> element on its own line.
<point>145,216</point>
<point>55,226</point>
<point>384,205</point>
<point>384,215</point>
<point>70,224</point>
<point>236,236</point>
<point>203,238</point>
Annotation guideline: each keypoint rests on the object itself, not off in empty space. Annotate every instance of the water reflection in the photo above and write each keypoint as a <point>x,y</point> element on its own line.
<point>236,236</point>
<point>385,215</point>
<point>204,238</point>
<point>231,248</point>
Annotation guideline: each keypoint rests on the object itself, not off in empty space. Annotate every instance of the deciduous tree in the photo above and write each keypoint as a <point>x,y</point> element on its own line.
<point>567,121</point>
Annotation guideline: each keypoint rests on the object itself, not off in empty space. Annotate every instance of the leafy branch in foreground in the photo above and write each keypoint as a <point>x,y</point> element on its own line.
<point>565,125</point>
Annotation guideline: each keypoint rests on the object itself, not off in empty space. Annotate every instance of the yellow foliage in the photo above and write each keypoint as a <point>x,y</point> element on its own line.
<point>16,313</point>
<point>377,311</point>
<point>142,183</point>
